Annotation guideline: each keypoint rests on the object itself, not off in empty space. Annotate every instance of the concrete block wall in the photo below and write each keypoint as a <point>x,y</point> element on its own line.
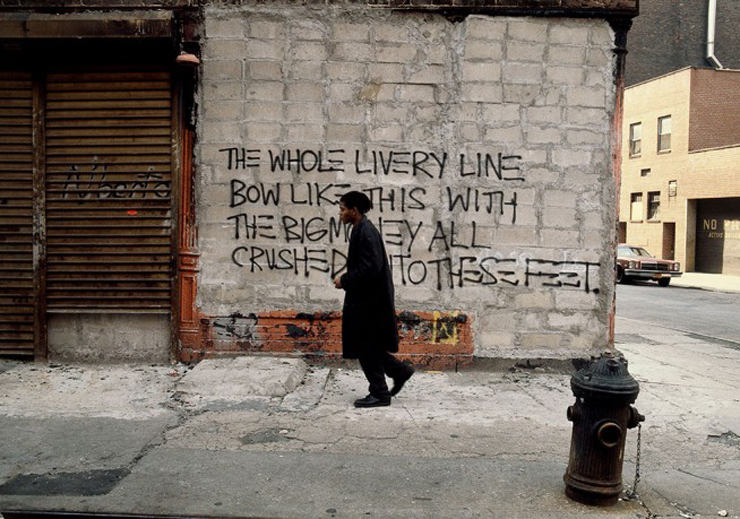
<point>484,144</point>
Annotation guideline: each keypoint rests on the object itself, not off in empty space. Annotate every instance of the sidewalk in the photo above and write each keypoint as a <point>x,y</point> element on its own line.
<point>721,282</point>
<point>275,438</point>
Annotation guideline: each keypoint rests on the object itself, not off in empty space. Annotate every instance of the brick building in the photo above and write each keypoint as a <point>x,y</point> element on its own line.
<point>672,34</point>
<point>680,189</point>
<point>158,204</point>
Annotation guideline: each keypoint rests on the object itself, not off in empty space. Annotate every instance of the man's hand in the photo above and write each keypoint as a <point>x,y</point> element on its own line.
<point>338,282</point>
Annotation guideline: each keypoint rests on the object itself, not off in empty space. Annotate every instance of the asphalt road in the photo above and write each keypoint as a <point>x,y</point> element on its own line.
<point>712,315</point>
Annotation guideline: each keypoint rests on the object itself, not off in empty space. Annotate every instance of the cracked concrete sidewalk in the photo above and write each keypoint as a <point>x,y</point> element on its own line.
<point>275,437</point>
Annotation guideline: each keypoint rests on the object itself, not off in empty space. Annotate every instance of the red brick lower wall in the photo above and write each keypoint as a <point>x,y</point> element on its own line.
<point>441,340</point>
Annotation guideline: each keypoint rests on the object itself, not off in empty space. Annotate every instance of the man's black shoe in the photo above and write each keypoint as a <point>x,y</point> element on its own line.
<point>399,382</point>
<point>371,401</point>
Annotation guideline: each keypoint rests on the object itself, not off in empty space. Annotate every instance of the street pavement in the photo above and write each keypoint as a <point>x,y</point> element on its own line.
<point>277,438</point>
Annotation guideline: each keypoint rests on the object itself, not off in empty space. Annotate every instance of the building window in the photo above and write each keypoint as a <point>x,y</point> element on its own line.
<point>672,188</point>
<point>664,133</point>
<point>653,205</point>
<point>644,172</point>
<point>636,206</point>
<point>635,139</point>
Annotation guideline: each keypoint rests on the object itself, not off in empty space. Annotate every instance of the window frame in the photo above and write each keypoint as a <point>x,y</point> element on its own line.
<point>664,136</point>
<point>653,202</point>
<point>635,143</point>
<point>633,203</point>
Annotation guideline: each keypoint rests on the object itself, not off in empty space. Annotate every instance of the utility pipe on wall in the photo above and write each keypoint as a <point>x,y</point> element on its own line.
<point>711,23</point>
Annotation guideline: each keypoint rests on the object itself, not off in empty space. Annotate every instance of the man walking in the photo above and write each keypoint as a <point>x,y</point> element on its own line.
<point>369,329</point>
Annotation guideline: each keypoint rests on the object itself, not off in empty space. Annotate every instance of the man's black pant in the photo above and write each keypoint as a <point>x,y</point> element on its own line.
<point>377,365</point>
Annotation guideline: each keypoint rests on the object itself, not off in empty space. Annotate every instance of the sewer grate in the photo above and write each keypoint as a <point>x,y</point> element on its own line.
<point>88,483</point>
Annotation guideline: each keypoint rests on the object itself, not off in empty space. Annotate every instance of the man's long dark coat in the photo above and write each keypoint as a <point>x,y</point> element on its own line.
<point>369,315</point>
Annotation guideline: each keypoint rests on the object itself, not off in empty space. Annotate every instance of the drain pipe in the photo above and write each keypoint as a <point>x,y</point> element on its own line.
<point>711,23</point>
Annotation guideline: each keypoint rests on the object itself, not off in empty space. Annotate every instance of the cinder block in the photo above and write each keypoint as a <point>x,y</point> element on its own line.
<point>599,57</point>
<point>595,239</point>
<point>262,132</point>
<point>224,49</point>
<point>570,321</point>
<point>344,133</point>
<point>559,198</point>
<point>222,90</point>
<point>485,28</point>
<point>480,51</point>
<point>386,72</point>
<point>416,93</point>
<point>351,31</point>
<point>580,137</point>
<point>482,93</point>
<point>522,73</point>
<point>501,112</point>
<point>270,70</point>
<point>490,343</point>
<point>391,33</point>
<point>344,70</point>
<point>430,113</point>
<point>545,342</point>
<point>516,235</point>
<point>354,51</point>
<point>565,55</point>
<point>396,53</point>
<point>530,29</point>
<point>308,29</point>
<point>432,74</point>
<point>383,112</point>
<point>264,91</point>
<point>468,132</point>
<point>570,34</point>
<point>576,299</point>
<point>536,135</point>
<point>597,78</point>
<point>543,175</point>
<point>339,92</point>
<point>266,30</point>
<point>534,299</point>
<point>344,113</point>
<point>559,217</point>
<point>591,97</point>
<point>224,28</point>
<point>510,136</point>
<point>265,49</point>
<point>305,92</point>
<point>222,70</point>
<point>524,51</point>
<point>437,54</point>
<point>572,76</point>
<point>387,133</point>
<point>568,157</point>
<point>223,111</point>
<point>308,51</point>
<point>559,238</point>
<point>263,112</point>
<point>310,132</point>
<point>587,117</point>
<point>481,71</point>
<point>306,71</point>
<point>544,114</point>
<point>225,132</point>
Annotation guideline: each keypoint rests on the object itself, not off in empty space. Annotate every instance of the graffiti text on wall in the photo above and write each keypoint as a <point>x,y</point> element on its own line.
<point>288,223</point>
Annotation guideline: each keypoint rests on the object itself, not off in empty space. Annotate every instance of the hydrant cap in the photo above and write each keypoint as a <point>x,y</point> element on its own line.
<point>606,378</point>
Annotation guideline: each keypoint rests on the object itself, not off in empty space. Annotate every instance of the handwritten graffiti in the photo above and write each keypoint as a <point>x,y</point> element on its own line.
<point>96,184</point>
<point>448,250</point>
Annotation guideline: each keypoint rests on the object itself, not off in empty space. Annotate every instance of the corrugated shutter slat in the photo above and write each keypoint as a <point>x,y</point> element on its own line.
<point>108,192</point>
<point>16,214</point>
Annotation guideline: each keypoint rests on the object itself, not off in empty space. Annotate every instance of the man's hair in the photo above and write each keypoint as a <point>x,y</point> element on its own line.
<point>356,200</point>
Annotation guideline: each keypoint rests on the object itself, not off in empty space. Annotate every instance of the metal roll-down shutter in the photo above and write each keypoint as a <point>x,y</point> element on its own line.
<point>16,214</point>
<point>108,191</point>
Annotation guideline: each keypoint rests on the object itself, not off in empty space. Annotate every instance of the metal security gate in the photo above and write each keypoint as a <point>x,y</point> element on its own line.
<point>104,207</point>
<point>108,191</point>
<point>17,302</point>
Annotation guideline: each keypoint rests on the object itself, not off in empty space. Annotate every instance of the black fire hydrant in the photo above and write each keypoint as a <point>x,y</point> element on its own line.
<point>604,390</point>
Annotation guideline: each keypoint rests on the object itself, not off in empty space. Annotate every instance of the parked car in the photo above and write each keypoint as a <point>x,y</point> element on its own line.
<point>636,263</point>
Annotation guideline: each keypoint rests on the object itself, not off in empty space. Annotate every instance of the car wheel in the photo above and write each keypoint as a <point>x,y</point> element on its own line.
<point>621,278</point>
<point>664,282</point>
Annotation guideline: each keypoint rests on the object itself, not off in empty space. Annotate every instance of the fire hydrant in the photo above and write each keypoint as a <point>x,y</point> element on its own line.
<point>601,415</point>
